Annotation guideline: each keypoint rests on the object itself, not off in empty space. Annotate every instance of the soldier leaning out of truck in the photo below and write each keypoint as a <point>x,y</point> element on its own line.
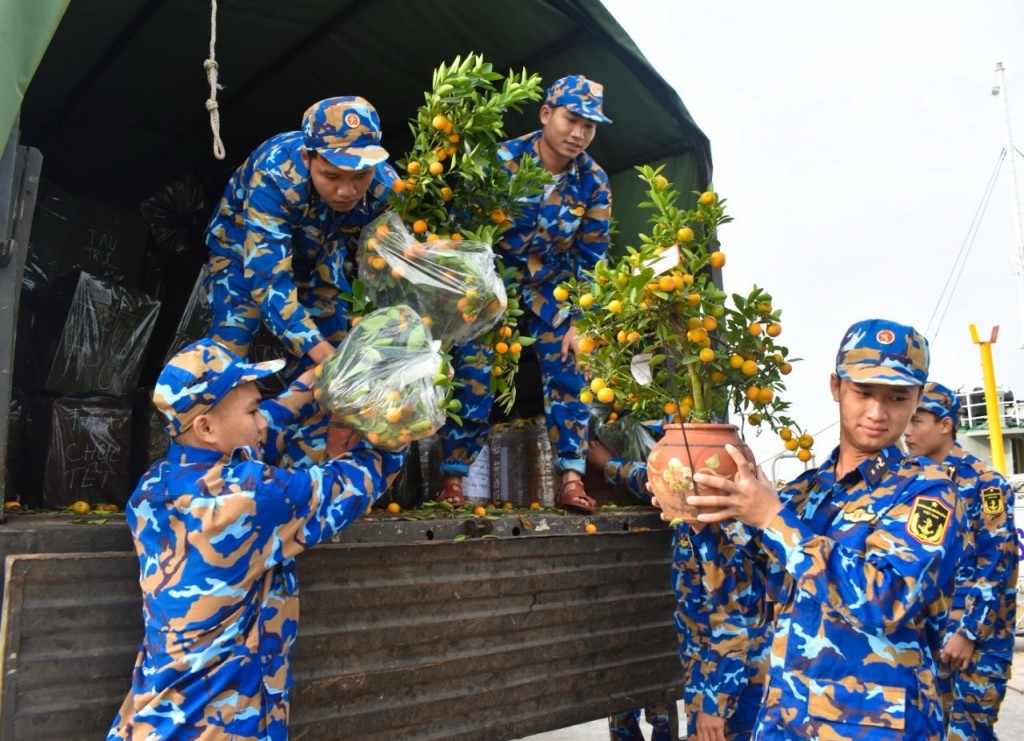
<point>217,528</point>
<point>281,234</point>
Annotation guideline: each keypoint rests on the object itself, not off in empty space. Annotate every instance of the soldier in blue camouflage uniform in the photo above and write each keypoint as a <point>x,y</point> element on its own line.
<point>559,234</point>
<point>978,650</point>
<point>280,235</point>
<point>217,531</point>
<point>859,558</point>
<point>722,681</point>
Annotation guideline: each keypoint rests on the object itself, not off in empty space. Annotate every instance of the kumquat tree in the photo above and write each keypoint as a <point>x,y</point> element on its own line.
<point>661,340</point>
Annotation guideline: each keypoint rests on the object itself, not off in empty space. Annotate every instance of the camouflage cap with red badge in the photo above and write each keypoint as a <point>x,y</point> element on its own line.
<point>882,351</point>
<point>198,377</point>
<point>580,96</point>
<point>345,131</point>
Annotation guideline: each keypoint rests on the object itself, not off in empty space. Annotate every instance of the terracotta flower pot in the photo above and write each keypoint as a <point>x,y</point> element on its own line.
<point>683,451</point>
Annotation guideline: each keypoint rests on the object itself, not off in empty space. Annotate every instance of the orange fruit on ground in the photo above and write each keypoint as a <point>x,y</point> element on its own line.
<point>586,345</point>
<point>80,507</point>
<point>419,226</point>
<point>615,306</point>
<point>606,395</point>
<point>590,528</point>
<point>436,168</point>
<point>394,508</point>
<point>560,293</point>
<point>479,511</point>
<point>803,454</point>
<point>586,300</point>
<point>774,329</point>
<point>685,234</point>
<point>716,259</point>
<point>707,198</point>
<point>534,505</point>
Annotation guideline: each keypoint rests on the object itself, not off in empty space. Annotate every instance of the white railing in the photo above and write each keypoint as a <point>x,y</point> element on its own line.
<point>974,413</point>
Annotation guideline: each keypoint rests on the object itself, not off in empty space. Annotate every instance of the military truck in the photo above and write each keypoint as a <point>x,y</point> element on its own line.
<point>412,626</point>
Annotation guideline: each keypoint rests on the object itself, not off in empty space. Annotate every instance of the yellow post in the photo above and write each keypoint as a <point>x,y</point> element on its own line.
<point>995,421</point>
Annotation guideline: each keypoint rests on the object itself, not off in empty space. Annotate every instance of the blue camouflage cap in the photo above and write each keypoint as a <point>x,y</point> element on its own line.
<point>881,351</point>
<point>940,401</point>
<point>344,131</point>
<point>198,377</point>
<point>580,96</point>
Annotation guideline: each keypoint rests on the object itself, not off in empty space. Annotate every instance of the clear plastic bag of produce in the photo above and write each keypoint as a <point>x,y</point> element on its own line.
<point>382,380</point>
<point>452,284</point>
<point>627,437</point>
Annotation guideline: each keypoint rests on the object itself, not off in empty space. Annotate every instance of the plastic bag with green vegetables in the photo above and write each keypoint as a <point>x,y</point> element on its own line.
<point>453,284</point>
<point>381,380</point>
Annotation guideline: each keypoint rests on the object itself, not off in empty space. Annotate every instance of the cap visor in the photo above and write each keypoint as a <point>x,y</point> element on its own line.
<point>355,158</point>
<point>256,371</point>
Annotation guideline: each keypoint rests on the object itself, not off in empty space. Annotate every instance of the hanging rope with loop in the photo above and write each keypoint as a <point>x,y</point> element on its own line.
<point>210,65</point>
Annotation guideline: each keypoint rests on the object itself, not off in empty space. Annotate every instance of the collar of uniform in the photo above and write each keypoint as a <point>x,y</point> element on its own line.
<point>872,471</point>
<point>185,454</point>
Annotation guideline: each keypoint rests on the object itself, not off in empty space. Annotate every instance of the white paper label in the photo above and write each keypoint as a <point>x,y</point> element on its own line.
<point>640,367</point>
<point>663,262</point>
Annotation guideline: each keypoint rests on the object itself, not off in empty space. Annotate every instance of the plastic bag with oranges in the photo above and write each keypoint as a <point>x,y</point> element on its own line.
<point>453,284</point>
<point>385,381</point>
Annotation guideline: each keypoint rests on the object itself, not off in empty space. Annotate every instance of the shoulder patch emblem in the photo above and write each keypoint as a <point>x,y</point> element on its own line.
<point>929,520</point>
<point>992,500</point>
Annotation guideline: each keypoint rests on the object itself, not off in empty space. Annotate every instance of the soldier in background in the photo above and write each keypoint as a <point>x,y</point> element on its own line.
<point>978,648</point>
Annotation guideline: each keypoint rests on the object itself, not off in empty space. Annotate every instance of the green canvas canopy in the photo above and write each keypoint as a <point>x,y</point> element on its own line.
<point>117,103</point>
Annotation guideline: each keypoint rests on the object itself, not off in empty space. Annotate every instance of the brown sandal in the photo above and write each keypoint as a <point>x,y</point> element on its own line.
<point>451,492</point>
<point>572,495</point>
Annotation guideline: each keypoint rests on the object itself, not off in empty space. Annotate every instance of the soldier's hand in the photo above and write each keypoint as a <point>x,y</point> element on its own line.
<point>957,652</point>
<point>710,727</point>
<point>749,497</point>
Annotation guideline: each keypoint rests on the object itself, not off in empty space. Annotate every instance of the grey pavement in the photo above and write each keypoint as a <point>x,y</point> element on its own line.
<point>1010,726</point>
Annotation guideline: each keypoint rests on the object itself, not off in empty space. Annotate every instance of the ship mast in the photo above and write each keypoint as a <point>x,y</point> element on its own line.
<point>1011,158</point>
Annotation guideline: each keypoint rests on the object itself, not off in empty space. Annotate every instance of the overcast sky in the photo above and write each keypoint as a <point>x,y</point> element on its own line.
<point>855,142</point>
